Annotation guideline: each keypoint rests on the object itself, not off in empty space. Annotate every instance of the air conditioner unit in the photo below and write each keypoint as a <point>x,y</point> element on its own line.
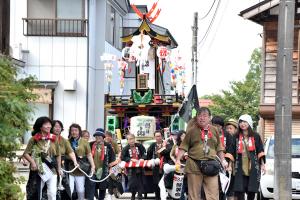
<point>69,85</point>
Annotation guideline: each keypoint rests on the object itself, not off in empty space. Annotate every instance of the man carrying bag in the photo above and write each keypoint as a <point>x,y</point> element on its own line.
<point>203,144</point>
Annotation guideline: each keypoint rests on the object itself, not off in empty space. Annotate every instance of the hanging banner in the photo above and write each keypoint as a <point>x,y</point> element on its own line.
<point>143,127</point>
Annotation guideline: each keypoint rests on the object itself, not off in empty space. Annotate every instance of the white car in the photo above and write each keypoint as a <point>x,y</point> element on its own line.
<point>267,180</point>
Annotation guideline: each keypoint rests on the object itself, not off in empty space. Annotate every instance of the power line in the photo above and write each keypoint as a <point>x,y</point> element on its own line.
<point>211,23</point>
<point>219,22</point>
<point>201,18</point>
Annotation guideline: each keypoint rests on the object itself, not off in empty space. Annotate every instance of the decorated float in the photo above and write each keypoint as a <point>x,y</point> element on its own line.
<point>159,74</point>
<point>149,52</point>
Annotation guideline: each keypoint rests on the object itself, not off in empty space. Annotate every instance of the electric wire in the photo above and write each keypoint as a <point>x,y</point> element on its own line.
<point>201,18</point>
<point>211,23</point>
<point>214,34</point>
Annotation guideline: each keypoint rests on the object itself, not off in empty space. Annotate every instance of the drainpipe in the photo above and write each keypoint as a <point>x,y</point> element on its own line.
<point>88,66</point>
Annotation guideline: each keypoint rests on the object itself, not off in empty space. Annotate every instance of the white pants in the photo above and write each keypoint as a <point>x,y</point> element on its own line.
<point>51,187</point>
<point>79,182</point>
<point>163,192</point>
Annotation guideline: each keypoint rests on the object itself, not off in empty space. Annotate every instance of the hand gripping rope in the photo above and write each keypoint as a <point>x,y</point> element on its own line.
<point>117,168</point>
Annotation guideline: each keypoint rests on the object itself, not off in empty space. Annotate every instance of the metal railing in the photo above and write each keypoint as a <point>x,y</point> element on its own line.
<point>157,99</point>
<point>55,27</point>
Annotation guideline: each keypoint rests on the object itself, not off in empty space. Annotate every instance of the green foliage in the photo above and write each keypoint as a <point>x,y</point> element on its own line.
<point>243,97</point>
<point>14,108</point>
<point>15,95</point>
<point>8,183</point>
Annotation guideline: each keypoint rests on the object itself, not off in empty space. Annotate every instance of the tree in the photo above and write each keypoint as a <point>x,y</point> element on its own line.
<point>243,97</point>
<point>15,94</point>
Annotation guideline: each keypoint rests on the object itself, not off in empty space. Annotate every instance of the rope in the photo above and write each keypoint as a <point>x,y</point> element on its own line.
<point>89,176</point>
<point>99,181</point>
<point>70,170</point>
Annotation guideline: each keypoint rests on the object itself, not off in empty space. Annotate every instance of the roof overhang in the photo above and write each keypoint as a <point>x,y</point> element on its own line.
<point>155,32</point>
<point>259,8</point>
<point>267,111</point>
<point>259,12</point>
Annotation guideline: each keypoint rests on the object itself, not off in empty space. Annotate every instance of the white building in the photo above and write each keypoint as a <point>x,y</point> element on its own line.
<point>60,42</point>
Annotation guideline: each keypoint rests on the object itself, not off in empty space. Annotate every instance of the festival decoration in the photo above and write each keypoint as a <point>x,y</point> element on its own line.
<point>147,98</point>
<point>126,53</point>
<point>173,72</point>
<point>142,126</point>
<point>177,70</point>
<point>162,53</point>
<point>128,56</point>
<point>140,48</point>
<point>140,163</point>
<point>108,58</point>
<point>122,65</point>
<point>148,14</point>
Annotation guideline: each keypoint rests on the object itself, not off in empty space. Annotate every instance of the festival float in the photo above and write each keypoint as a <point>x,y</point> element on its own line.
<point>149,52</point>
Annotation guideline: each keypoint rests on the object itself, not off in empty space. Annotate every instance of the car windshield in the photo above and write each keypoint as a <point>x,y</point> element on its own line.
<point>295,148</point>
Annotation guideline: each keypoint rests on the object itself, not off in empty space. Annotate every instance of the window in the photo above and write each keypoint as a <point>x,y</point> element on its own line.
<point>113,27</point>
<point>55,18</point>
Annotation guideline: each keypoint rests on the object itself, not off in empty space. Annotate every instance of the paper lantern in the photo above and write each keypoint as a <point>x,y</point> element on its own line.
<point>162,52</point>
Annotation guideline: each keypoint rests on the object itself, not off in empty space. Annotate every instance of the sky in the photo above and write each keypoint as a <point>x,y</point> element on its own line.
<point>224,54</point>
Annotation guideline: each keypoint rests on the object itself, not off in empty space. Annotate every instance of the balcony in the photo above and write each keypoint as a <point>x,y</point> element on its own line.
<point>55,27</point>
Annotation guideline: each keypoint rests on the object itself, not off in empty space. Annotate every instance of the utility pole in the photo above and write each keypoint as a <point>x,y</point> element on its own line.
<point>283,101</point>
<point>194,49</point>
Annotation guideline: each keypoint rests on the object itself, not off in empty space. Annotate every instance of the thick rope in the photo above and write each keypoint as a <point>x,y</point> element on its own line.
<point>70,170</point>
<point>99,181</point>
<point>89,176</point>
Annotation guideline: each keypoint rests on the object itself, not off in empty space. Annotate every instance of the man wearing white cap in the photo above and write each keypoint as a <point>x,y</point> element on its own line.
<point>250,159</point>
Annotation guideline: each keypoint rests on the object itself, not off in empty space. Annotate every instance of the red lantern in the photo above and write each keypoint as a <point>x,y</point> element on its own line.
<point>162,52</point>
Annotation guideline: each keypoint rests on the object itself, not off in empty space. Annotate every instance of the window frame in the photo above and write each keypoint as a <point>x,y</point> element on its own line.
<point>55,9</point>
<point>116,41</point>
<point>35,29</point>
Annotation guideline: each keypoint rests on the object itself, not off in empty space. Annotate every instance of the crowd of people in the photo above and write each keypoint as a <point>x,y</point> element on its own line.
<point>78,168</point>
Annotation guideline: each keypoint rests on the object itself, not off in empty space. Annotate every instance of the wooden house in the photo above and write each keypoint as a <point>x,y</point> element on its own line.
<point>266,13</point>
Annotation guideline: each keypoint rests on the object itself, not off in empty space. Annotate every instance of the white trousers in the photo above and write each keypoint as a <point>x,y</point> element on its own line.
<point>79,183</point>
<point>51,187</point>
<point>163,192</point>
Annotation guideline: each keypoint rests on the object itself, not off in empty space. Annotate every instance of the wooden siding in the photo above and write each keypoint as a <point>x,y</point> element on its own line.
<point>269,128</point>
<point>269,82</point>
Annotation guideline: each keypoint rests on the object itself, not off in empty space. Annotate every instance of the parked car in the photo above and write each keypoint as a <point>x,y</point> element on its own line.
<point>267,180</point>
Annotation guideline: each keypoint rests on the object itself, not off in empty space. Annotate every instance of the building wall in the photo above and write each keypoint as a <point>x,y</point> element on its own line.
<point>96,81</point>
<point>269,79</point>
<point>53,59</point>
<point>64,59</point>
<point>270,127</point>
<point>269,83</point>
